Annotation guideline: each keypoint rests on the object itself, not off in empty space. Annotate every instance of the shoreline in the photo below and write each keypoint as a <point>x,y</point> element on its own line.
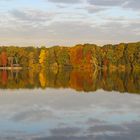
<point>11,68</point>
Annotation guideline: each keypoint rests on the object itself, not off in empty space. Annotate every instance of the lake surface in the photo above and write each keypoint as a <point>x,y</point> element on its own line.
<point>69,105</point>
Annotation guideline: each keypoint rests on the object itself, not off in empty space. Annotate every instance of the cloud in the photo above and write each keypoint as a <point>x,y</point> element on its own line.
<point>92,122</point>
<point>32,115</point>
<point>127,131</point>
<point>65,138</point>
<point>106,128</point>
<point>94,9</point>
<point>132,4</point>
<point>68,131</point>
<point>106,2</point>
<point>32,15</point>
<point>65,1</point>
<point>41,114</point>
<point>68,32</point>
<point>43,27</point>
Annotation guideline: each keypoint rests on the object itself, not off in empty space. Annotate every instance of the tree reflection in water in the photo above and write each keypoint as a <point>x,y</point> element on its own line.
<point>80,80</point>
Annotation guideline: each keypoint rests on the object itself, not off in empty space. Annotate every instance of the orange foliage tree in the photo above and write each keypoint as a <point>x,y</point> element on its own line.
<point>4,58</point>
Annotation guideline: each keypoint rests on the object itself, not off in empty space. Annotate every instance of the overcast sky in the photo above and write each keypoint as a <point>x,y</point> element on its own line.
<point>68,22</point>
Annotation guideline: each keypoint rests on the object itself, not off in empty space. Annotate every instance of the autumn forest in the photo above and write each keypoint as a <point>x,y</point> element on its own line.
<point>123,56</point>
<point>85,67</point>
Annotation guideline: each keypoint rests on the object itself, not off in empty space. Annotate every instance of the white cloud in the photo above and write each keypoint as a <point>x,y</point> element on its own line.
<point>32,15</point>
<point>92,22</point>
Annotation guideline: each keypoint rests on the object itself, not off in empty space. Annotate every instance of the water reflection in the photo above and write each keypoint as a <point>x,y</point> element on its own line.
<point>80,80</point>
<point>64,115</point>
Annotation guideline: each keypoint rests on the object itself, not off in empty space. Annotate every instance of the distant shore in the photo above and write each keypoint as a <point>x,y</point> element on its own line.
<point>10,68</point>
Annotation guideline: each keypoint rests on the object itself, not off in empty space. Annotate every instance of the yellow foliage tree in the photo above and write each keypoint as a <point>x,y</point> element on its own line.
<point>42,57</point>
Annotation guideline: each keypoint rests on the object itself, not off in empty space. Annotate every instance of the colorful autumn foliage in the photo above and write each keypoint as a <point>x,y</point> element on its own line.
<point>4,58</point>
<point>126,55</point>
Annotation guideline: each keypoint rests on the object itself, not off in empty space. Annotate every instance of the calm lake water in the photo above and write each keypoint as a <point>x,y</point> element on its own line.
<point>69,105</point>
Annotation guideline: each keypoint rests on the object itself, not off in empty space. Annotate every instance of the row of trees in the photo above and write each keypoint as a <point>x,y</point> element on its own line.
<point>83,56</point>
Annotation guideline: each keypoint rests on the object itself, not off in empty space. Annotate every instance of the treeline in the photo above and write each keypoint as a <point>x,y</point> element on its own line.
<point>124,55</point>
<point>86,80</point>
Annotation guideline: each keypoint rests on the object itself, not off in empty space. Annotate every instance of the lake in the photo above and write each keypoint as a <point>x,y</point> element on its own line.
<point>69,104</point>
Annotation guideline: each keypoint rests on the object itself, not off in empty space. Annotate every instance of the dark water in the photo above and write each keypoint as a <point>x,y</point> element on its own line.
<point>69,105</point>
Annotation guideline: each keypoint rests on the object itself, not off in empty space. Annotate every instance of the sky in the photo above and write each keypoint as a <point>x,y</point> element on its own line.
<point>68,22</point>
